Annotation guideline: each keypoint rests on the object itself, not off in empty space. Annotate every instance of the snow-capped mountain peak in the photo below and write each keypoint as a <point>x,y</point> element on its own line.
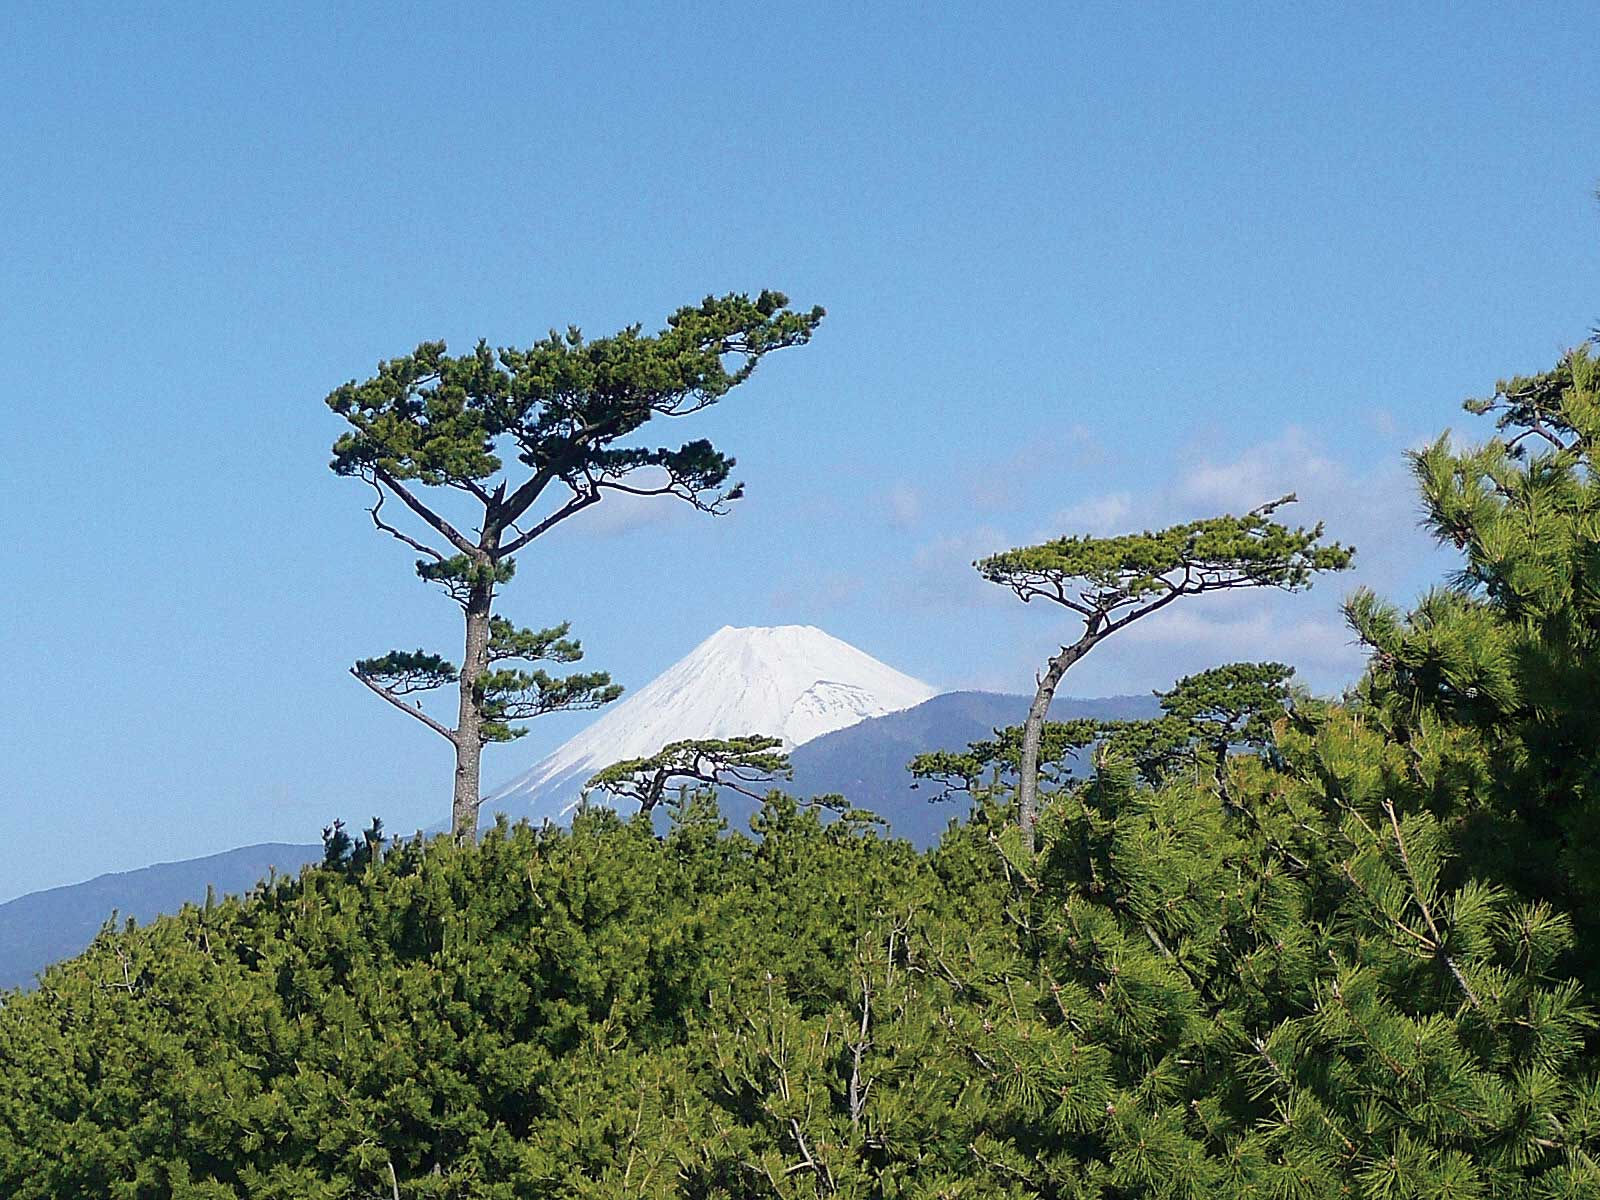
<point>793,682</point>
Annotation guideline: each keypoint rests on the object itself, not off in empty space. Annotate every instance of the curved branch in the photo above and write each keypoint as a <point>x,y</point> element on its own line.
<point>444,528</point>
<point>579,502</point>
<point>1144,611</point>
<point>410,710</point>
<point>472,488</point>
<point>380,523</point>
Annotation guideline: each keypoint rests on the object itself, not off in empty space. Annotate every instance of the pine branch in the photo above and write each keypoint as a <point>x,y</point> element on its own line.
<point>410,500</point>
<point>409,709</point>
<point>580,501</point>
<point>385,527</point>
<point>1427,913</point>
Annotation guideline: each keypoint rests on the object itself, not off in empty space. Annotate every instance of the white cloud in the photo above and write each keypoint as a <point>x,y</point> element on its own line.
<point>1241,627</point>
<point>903,505</point>
<point>1370,505</point>
<point>1261,473</point>
<point>940,574</point>
<point>1098,515</point>
<point>619,513</point>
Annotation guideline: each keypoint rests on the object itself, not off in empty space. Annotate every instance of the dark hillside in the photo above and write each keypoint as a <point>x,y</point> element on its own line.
<point>866,763</point>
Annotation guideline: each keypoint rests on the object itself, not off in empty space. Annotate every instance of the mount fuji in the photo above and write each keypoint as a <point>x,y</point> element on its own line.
<point>792,682</point>
<point>851,723</point>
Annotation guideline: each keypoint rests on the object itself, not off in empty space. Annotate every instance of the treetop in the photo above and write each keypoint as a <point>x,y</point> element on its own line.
<point>1097,576</point>
<point>1561,406</point>
<point>735,763</point>
<point>1237,701</point>
<point>560,403</point>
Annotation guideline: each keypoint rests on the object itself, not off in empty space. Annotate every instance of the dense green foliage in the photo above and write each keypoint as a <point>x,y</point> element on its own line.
<point>1507,659</point>
<point>1104,579</point>
<point>561,404</point>
<point>1264,946</point>
<point>1278,997</point>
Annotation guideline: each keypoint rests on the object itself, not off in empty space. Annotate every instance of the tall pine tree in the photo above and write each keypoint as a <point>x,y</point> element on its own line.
<point>564,409</point>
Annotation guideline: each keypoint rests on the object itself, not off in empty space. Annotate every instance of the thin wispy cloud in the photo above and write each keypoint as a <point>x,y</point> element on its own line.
<point>903,505</point>
<point>1098,515</point>
<point>1372,507</point>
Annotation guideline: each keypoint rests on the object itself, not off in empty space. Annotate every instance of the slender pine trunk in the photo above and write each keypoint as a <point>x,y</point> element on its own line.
<point>1033,735</point>
<point>469,724</point>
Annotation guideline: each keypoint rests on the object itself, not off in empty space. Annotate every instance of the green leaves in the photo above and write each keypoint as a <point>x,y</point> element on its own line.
<point>1340,965</point>
<point>1236,703</point>
<point>1162,1002</point>
<point>507,694</point>
<point>502,694</point>
<point>514,695</point>
<point>403,672</point>
<point>563,409</point>
<point>560,407</point>
<point>1113,581</point>
<point>1102,577</point>
<point>421,417</point>
<point>463,576</point>
<point>1497,670</point>
<point>735,763</point>
<point>997,759</point>
<point>506,641</point>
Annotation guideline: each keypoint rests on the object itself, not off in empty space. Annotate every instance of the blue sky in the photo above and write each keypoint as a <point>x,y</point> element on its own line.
<point>1085,270</point>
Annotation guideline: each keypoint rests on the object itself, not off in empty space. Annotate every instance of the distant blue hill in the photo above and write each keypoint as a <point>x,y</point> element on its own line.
<point>865,762</point>
<point>45,927</point>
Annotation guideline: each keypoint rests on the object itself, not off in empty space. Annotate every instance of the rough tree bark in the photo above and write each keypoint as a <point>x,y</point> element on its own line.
<point>1033,735</point>
<point>468,736</point>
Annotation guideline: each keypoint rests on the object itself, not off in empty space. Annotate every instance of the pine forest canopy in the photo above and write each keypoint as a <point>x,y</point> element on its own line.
<point>1263,947</point>
<point>562,410</point>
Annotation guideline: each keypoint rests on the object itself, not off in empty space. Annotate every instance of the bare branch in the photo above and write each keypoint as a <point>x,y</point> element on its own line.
<point>579,502</point>
<point>410,710</point>
<point>1537,429</point>
<point>419,547</point>
<point>473,488</point>
<point>410,500</point>
<point>1143,611</point>
<point>672,487</point>
<point>858,1090</point>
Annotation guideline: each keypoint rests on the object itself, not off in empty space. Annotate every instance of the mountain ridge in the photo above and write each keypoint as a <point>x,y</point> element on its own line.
<point>793,682</point>
<point>850,723</point>
<point>865,761</point>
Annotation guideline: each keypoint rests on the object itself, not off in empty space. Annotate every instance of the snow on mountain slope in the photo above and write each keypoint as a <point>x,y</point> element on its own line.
<point>794,682</point>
